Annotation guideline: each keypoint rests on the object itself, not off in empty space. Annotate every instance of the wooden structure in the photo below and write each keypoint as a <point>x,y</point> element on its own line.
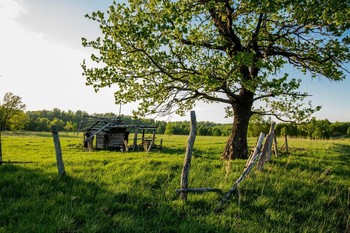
<point>112,134</point>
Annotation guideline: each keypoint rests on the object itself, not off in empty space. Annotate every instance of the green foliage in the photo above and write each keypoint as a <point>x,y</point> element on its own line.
<point>317,128</point>
<point>169,54</point>
<point>11,111</point>
<point>169,130</point>
<point>107,191</point>
<point>41,121</point>
<point>58,122</point>
<point>18,121</point>
<point>69,127</point>
<point>257,125</point>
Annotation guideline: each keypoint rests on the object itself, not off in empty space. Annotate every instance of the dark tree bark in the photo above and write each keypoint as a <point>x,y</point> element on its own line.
<point>237,144</point>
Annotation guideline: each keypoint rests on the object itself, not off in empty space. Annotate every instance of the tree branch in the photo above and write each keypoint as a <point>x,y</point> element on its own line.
<point>272,114</point>
<point>203,44</point>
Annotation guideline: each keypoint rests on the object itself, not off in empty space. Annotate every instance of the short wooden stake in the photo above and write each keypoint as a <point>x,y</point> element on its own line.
<point>56,140</point>
<point>188,156</point>
<point>135,140</point>
<point>275,144</point>
<point>272,133</point>
<point>199,190</point>
<point>161,144</point>
<point>286,143</point>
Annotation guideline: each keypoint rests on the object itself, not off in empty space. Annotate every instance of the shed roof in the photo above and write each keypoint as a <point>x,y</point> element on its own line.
<point>94,123</point>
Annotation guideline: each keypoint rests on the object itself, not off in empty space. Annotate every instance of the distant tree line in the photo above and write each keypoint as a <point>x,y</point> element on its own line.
<point>314,129</point>
<point>42,120</point>
<point>14,117</point>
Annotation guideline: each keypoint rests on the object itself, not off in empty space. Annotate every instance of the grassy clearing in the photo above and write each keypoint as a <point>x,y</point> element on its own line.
<point>104,191</point>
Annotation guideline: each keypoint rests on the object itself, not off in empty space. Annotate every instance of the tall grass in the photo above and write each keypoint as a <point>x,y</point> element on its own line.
<point>307,190</point>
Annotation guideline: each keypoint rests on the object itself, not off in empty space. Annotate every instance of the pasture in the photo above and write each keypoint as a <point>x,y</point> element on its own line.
<point>307,190</point>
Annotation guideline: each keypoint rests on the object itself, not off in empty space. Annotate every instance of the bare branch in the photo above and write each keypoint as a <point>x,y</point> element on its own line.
<point>274,115</point>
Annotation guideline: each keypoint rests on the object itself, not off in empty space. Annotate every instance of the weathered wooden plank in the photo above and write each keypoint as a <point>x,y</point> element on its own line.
<point>256,150</point>
<point>59,159</point>
<point>247,170</point>
<point>286,142</point>
<point>135,140</point>
<point>152,142</point>
<point>198,190</point>
<point>267,151</point>
<point>275,144</point>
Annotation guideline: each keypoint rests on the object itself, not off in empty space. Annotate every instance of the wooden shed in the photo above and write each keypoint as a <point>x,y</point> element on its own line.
<point>112,134</point>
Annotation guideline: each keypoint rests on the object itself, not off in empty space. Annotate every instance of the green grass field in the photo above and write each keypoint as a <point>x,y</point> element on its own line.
<point>307,190</point>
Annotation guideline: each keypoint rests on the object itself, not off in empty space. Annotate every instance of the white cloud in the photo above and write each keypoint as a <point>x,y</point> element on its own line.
<point>10,9</point>
<point>45,73</point>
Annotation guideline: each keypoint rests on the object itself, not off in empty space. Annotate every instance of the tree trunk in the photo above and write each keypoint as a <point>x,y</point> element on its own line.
<point>237,145</point>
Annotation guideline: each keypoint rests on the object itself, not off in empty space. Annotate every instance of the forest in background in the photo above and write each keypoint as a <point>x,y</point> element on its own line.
<point>41,121</point>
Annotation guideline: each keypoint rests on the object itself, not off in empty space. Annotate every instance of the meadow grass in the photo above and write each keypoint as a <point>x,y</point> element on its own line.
<point>307,190</point>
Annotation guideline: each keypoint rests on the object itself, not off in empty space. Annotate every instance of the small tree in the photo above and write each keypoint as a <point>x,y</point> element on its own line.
<point>169,129</point>
<point>11,106</point>
<point>317,134</point>
<point>58,123</point>
<point>43,124</point>
<point>68,127</point>
<point>18,121</point>
<point>348,132</point>
<point>284,131</point>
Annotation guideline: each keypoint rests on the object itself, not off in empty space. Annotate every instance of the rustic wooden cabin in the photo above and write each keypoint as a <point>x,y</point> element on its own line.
<point>112,134</point>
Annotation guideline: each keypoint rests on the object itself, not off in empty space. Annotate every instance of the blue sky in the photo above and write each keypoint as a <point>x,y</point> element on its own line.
<point>41,53</point>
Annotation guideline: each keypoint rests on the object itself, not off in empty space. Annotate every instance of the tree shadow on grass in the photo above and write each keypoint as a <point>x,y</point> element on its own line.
<point>196,153</point>
<point>297,200</point>
<point>173,151</point>
<point>34,201</point>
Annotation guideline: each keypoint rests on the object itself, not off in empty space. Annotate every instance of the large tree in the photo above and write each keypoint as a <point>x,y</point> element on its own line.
<point>166,55</point>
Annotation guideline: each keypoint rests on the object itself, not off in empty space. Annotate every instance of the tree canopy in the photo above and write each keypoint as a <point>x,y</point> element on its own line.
<point>11,109</point>
<point>167,55</point>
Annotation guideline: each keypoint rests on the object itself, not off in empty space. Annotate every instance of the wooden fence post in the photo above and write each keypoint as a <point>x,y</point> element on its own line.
<point>275,144</point>
<point>135,140</point>
<point>266,151</point>
<point>188,156</point>
<point>161,143</point>
<point>56,140</point>
<point>152,142</point>
<point>257,149</point>
<point>286,142</point>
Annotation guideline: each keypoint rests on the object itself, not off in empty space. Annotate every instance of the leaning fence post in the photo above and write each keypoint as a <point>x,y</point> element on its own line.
<point>188,156</point>
<point>266,151</point>
<point>272,133</point>
<point>257,149</point>
<point>275,144</point>
<point>56,140</point>
<point>247,170</point>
